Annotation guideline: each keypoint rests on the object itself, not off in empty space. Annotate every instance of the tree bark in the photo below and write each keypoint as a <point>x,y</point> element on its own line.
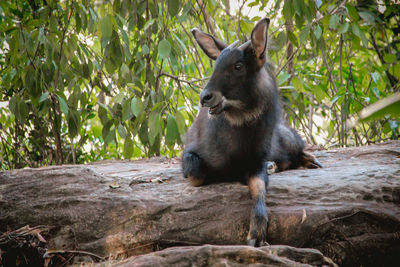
<point>289,51</point>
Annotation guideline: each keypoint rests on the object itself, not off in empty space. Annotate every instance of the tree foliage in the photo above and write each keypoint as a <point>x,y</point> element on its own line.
<point>88,80</point>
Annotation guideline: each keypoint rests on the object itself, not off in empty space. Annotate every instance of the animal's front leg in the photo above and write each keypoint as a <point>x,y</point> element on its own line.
<point>259,217</point>
<point>192,166</point>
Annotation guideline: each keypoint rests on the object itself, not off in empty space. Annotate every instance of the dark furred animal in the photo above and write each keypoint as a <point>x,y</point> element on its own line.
<point>239,126</point>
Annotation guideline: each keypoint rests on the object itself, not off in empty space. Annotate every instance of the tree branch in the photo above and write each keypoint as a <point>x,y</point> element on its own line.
<point>207,18</point>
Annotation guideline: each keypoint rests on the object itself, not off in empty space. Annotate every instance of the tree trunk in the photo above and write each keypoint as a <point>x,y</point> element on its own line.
<point>349,210</point>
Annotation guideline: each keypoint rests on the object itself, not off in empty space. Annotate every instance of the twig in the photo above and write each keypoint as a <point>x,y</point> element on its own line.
<point>180,79</point>
<point>207,18</point>
<point>6,150</point>
<point>197,52</point>
<point>288,60</point>
<point>393,80</point>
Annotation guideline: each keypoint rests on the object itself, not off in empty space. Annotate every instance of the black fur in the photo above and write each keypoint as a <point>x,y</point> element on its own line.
<point>239,126</point>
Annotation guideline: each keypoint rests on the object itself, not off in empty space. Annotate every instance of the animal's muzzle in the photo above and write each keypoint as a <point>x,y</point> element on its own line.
<point>213,100</point>
<point>207,98</point>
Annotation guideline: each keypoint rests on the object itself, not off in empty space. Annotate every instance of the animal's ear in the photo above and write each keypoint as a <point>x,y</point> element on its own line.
<point>259,37</point>
<point>210,45</point>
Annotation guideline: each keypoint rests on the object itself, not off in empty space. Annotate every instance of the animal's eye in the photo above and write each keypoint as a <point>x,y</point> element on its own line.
<point>238,66</point>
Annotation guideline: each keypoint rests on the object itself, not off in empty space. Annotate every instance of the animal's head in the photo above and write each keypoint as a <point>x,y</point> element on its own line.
<point>235,86</point>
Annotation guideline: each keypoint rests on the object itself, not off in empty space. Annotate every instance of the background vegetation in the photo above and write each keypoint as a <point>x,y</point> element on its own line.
<point>89,80</point>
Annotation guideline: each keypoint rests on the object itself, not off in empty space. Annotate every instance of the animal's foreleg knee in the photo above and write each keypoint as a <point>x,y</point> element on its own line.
<point>191,165</point>
<point>259,217</point>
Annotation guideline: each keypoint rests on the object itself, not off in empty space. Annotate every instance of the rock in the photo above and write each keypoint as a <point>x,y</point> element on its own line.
<point>209,255</point>
<point>349,209</point>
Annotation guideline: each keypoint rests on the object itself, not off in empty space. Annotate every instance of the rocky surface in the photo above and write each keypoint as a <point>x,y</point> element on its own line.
<point>349,210</point>
<point>209,255</point>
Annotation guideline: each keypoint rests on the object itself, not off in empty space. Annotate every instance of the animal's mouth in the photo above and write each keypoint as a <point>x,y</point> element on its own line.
<point>214,110</point>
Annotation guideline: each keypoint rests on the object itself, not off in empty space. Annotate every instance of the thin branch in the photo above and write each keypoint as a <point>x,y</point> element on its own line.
<point>207,18</point>
<point>197,52</point>
<point>341,56</point>
<point>392,79</point>
<point>288,60</point>
<point>181,79</point>
<point>6,150</point>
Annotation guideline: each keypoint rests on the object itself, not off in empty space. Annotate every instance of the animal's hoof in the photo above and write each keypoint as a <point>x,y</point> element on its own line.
<point>264,243</point>
<point>314,164</point>
<point>258,231</point>
<point>251,242</point>
<point>310,161</point>
<point>317,163</point>
<point>271,167</point>
<point>196,181</point>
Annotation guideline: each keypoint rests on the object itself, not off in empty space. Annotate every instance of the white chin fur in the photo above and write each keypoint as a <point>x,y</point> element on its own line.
<point>240,115</point>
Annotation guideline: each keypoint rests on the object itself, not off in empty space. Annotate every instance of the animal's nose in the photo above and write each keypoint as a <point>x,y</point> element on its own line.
<point>206,97</point>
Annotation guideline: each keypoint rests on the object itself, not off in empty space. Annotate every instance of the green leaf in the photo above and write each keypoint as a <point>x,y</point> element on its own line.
<point>145,49</point>
<point>106,27</point>
<point>359,33</point>
<point>376,92</point>
<point>125,72</point>
<point>148,24</point>
<point>389,58</point>
<point>293,38</point>
<point>395,70</point>
<point>43,97</point>
<point>319,93</point>
<point>172,130</point>
<point>252,4</point>
<point>288,10</point>
<point>280,40</point>
<point>19,108</point>
<point>304,33</point>
<point>333,22</point>
<point>180,121</point>
<point>375,77</point>
<point>121,131</point>
<point>126,110</point>
<point>368,17</point>
<point>136,106</point>
<point>185,11</point>
<point>298,85</point>
<point>318,32</point>
<point>63,105</point>
<point>128,148</point>
<point>73,119</point>
<point>298,7</point>
<point>108,132</point>
<point>23,110</point>
<point>144,133</point>
<point>173,7</point>
<point>102,112</point>
<point>164,48</point>
<point>119,97</point>
<point>154,125</point>
<point>352,12</point>
<point>29,79</point>
<point>343,28</point>
<point>12,105</point>
<point>282,78</point>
